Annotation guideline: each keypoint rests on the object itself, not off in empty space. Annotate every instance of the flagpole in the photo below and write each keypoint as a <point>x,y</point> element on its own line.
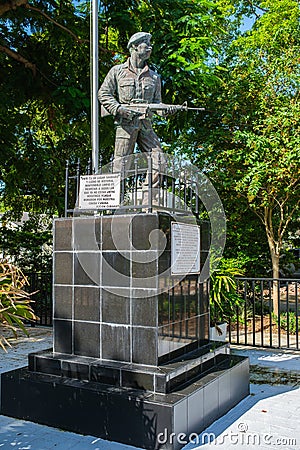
<point>94,87</point>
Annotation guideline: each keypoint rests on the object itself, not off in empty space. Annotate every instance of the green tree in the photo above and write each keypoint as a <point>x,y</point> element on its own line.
<point>27,244</point>
<point>268,153</point>
<point>251,145</point>
<point>45,107</point>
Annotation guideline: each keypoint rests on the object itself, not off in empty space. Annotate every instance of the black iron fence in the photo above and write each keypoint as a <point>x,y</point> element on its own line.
<point>266,314</point>
<point>40,284</point>
<point>147,182</point>
<point>252,321</point>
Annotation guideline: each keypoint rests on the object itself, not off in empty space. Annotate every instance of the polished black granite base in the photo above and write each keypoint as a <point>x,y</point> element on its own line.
<point>131,416</point>
<point>160,379</point>
<point>131,361</point>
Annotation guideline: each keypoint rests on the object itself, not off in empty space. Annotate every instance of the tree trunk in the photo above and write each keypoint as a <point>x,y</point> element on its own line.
<point>275,249</point>
<point>276,285</point>
<point>275,271</point>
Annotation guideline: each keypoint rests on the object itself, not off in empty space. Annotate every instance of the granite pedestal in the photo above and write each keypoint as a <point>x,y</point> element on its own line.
<point>131,359</point>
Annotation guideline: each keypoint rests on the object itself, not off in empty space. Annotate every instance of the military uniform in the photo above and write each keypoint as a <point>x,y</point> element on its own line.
<point>124,84</point>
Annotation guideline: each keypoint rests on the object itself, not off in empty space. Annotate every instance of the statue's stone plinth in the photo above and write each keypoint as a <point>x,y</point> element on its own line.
<point>114,296</point>
<point>131,340</point>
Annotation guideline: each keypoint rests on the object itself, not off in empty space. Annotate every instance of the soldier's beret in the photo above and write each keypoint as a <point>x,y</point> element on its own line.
<point>137,37</point>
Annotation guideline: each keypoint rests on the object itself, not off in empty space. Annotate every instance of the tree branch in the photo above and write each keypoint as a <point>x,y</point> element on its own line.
<point>16,56</point>
<point>33,8</point>
<point>254,7</point>
<point>14,4</point>
<point>67,30</point>
<point>289,218</point>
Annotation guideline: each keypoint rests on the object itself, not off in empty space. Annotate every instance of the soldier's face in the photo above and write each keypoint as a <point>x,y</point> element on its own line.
<point>144,49</point>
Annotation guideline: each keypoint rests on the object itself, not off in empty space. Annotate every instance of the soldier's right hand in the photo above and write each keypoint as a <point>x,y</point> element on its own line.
<point>126,113</point>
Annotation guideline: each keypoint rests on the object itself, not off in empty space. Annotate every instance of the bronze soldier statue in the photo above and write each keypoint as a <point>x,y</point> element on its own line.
<point>132,83</point>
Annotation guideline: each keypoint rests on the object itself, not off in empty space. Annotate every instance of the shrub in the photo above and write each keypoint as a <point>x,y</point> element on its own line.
<point>288,322</point>
<point>224,299</point>
<point>15,302</point>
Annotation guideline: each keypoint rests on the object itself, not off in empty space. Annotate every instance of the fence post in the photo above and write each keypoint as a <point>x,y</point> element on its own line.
<point>66,188</point>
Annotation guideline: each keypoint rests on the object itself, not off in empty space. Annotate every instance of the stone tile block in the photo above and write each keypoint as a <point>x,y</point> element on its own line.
<point>62,302</point>
<point>86,233</point>
<point>115,269</point>
<point>87,268</point>
<point>62,330</point>
<point>116,232</point>
<point>115,309</point>
<point>144,345</point>
<point>63,234</point>
<point>87,303</point>
<point>144,232</point>
<point>144,311</point>
<point>87,339</point>
<point>63,268</point>
<point>116,344</point>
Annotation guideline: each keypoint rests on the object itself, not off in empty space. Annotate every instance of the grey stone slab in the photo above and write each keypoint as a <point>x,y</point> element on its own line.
<point>87,266</point>
<point>144,232</point>
<point>116,269</point>
<point>87,303</point>
<point>210,402</point>
<point>115,309</point>
<point>48,365</point>
<point>87,339</point>
<point>239,381</point>
<point>63,234</point>
<point>75,369</point>
<point>116,232</point>
<point>106,375</point>
<point>180,422</point>
<point>62,307</point>
<point>224,392</point>
<point>195,403</point>
<point>144,274</point>
<point>86,231</point>
<point>144,310</point>
<point>63,268</point>
<point>62,330</point>
<point>137,380</point>
<point>144,345</point>
<point>116,342</point>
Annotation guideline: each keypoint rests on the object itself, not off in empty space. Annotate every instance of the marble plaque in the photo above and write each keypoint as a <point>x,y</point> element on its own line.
<point>185,249</point>
<point>100,191</point>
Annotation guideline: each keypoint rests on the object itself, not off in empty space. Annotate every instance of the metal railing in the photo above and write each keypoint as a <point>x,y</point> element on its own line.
<point>148,182</point>
<point>255,320</point>
<point>40,284</point>
<point>251,323</point>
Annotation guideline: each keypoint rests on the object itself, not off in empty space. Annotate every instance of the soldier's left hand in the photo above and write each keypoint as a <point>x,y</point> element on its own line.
<point>126,113</point>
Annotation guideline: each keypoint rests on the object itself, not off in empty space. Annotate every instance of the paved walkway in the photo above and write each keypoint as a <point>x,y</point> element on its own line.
<point>267,419</point>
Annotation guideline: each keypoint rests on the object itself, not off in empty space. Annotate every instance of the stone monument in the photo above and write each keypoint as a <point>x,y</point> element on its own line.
<point>131,360</point>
